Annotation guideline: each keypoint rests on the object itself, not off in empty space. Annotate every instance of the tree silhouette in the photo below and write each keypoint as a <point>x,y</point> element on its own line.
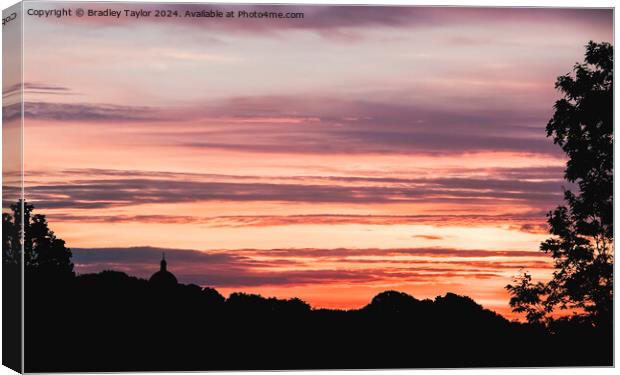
<point>43,251</point>
<point>582,229</point>
<point>11,237</point>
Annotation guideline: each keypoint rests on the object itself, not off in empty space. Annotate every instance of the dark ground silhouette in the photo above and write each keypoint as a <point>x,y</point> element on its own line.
<point>114,322</point>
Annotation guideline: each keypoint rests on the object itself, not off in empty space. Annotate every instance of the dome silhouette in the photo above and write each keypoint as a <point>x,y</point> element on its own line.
<point>163,277</point>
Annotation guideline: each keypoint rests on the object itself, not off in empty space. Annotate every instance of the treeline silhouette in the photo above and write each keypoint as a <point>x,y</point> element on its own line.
<point>111,321</point>
<point>114,322</point>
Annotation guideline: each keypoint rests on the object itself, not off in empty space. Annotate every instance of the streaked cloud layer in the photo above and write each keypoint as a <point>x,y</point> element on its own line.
<point>332,157</point>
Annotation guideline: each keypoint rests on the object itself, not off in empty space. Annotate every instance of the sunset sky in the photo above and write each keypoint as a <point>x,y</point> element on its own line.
<point>330,158</point>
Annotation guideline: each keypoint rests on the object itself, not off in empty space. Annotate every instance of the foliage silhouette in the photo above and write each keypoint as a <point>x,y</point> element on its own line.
<point>45,260</point>
<point>11,293</point>
<point>582,230</point>
<point>111,321</point>
<point>43,252</point>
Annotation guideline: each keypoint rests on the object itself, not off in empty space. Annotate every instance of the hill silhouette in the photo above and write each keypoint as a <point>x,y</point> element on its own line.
<point>111,321</point>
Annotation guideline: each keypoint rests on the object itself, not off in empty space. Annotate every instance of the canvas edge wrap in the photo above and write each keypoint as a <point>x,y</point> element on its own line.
<point>12,182</point>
